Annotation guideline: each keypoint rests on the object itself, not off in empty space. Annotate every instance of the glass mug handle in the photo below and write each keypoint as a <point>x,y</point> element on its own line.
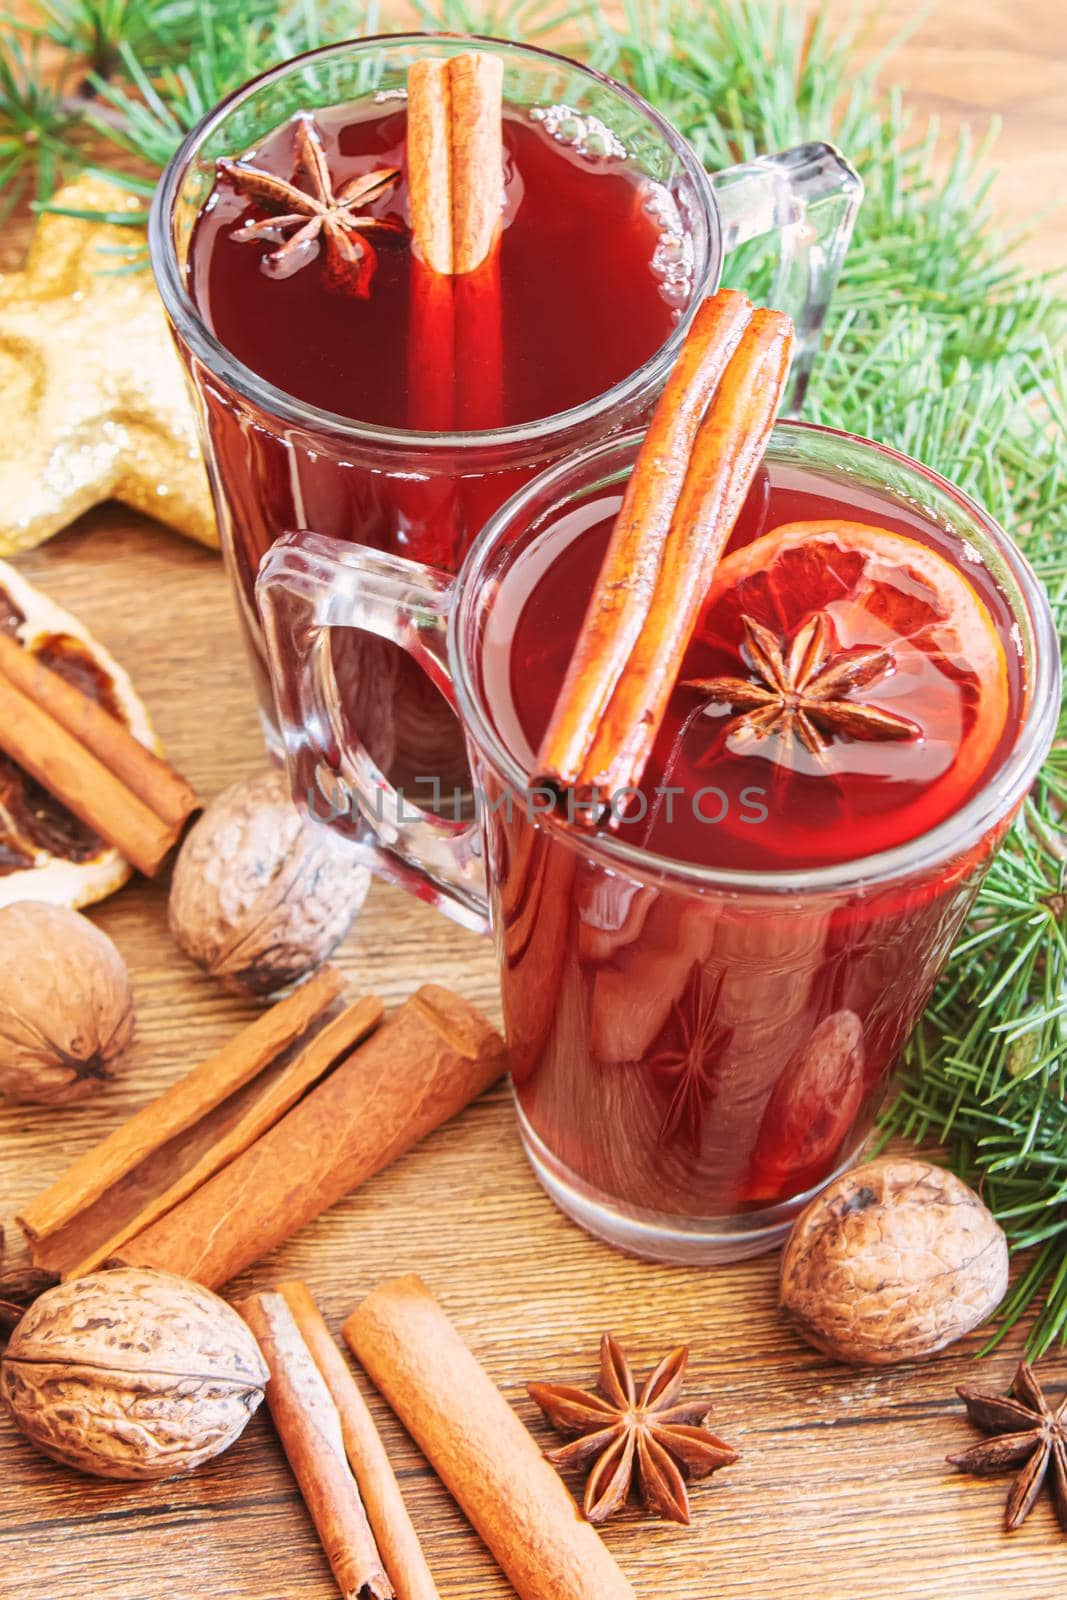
<point>809,196</point>
<point>308,585</point>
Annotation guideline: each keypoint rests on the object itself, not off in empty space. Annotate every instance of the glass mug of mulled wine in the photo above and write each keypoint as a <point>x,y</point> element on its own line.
<point>348,403</point>
<point>704,993</point>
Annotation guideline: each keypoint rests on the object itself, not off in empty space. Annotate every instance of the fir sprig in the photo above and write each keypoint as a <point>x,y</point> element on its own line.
<point>37,128</point>
<point>987,1074</point>
<point>91,32</point>
<point>939,342</point>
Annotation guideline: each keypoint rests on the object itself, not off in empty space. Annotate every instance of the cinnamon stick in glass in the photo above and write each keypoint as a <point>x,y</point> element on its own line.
<point>393,1530</point>
<point>431,353</point>
<point>698,460</point>
<point>479,1448</point>
<point>535,932</point>
<point>455,159</point>
<point>455,173</point>
<point>426,1062</point>
<point>726,456</point>
<point>476,88</point>
<point>479,363</point>
<point>309,1427</point>
<point>476,83</point>
<point>429,162</point>
<point>434,532</point>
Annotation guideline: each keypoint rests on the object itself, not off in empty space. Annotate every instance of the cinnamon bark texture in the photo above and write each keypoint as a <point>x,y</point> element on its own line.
<point>697,463</point>
<point>183,1138</point>
<point>479,1448</point>
<point>278,1094</point>
<point>90,762</point>
<point>309,1427</point>
<point>146,774</point>
<point>429,162</point>
<point>455,159</point>
<point>476,84</point>
<point>392,1527</point>
<point>425,1063</point>
<point>455,170</point>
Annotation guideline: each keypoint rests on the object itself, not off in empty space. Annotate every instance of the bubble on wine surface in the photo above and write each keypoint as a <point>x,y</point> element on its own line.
<point>580,131</point>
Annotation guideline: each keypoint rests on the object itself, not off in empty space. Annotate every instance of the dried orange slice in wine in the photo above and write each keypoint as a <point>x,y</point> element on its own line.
<point>837,650</point>
<point>46,853</point>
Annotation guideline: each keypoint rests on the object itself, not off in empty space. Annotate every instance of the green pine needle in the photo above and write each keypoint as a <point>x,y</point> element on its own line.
<point>939,343</point>
<point>987,1076</point>
<point>91,31</point>
<point>36,128</point>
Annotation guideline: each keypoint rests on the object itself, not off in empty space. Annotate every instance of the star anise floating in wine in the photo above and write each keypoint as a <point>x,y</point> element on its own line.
<point>803,688</point>
<point>686,1071</point>
<point>653,1439</point>
<point>314,211</point>
<point>1027,1434</point>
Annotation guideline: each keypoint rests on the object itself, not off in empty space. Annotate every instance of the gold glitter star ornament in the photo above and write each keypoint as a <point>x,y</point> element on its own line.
<point>93,401</point>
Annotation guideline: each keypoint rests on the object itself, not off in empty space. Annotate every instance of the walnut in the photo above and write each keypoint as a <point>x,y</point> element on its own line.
<point>894,1260</point>
<point>20,1280</point>
<point>66,1011</point>
<point>261,896</point>
<point>132,1374</point>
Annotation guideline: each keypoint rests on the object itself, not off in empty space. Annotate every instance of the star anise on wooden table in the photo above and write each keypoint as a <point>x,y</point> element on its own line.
<point>316,210</point>
<point>802,688</point>
<point>653,1439</point>
<point>1028,1434</point>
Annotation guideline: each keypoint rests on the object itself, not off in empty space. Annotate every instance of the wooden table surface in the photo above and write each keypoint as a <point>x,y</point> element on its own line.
<point>842,1489</point>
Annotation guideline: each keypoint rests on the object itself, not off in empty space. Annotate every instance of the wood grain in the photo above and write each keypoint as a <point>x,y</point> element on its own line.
<point>842,1490</point>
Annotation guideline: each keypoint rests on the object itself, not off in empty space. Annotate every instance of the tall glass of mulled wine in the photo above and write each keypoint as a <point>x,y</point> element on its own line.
<point>330,396</point>
<point>705,994</point>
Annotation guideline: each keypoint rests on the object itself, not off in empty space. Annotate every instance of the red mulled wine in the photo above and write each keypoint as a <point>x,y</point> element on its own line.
<point>586,285</point>
<point>852,683</point>
<point>582,300</point>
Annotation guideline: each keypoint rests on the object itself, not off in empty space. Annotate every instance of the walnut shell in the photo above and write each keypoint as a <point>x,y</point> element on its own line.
<point>66,1010</point>
<point>20,1280</point>
<point>132,1374</point>
<point>261,896</point>
<point>892,1261</point>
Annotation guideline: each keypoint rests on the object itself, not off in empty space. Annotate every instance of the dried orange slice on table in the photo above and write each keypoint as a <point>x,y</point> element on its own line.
<point>46,853</point>
<point>840,651</point>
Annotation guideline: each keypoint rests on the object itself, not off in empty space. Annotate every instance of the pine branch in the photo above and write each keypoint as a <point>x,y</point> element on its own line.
<point>91,32</point>
<point>987,1076</point>
<point>37,130</point>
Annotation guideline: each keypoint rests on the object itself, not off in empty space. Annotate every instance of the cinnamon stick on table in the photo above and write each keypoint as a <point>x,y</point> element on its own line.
<point>331,1044</point>
<point>479,1448</point>
<point>178,1142</point>
<point>90,761</point>
<point>309,1427</point>
<point>425,1063</point>
<point>393,1530</point>
<point>697,463</point>
<point>146,774</point>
